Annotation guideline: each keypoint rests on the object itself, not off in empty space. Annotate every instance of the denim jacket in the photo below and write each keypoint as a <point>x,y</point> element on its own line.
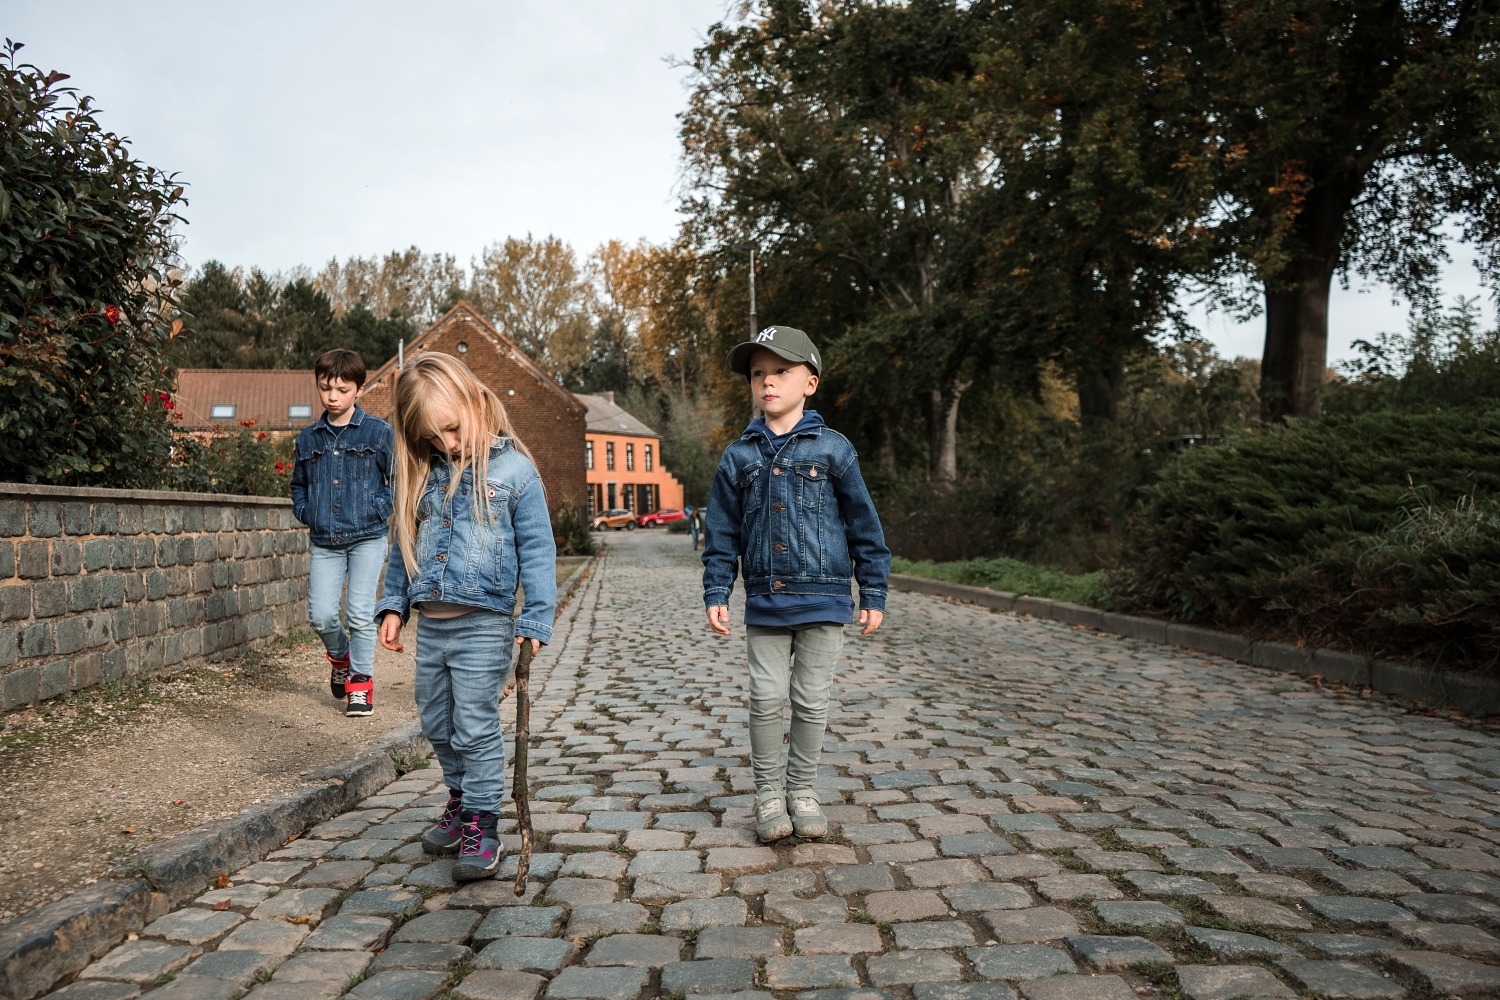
<point>341,481</point>
<point>799,521</point>
<point>463,561</point>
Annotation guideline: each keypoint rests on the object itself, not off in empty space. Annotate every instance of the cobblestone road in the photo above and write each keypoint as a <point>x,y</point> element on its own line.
<point>1019,808</point>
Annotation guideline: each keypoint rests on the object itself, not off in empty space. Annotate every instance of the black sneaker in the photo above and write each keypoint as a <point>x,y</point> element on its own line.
<point>478,847</point>
<point>361,695</point>
<point>338,673</point>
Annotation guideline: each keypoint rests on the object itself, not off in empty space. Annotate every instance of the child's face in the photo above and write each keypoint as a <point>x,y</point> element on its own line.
<point>337,395</point>
<point>779,386</point>
<point>448,440</point>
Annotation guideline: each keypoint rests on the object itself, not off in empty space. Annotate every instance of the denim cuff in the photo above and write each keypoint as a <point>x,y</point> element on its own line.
<point>534,630</point>
<point>715,596</point>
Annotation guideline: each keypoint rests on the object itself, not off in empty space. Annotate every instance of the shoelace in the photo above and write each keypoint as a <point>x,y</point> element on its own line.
<point>450,813</point>
<point>467,845</point>
<point>359,697</point>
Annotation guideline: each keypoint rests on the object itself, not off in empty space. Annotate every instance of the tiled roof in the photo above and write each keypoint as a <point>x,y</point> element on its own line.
<point>263,395</point>
<point>606,417</point>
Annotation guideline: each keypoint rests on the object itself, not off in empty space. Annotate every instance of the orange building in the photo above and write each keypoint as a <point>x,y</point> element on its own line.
<point>622,461</point>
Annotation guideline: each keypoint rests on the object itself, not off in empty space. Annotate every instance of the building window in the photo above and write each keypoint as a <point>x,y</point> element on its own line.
<point>630,458</point>
<point>648,456</point>
<point>609,455</point>
<point>221,411</point>
<point>299,411</point>
<point>463,347</point>
<point>588,454</point>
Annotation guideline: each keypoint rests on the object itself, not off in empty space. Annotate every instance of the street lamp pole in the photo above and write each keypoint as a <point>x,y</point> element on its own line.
<point>754,321</point>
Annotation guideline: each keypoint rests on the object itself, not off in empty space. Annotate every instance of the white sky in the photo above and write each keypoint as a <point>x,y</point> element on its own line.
<point>317,129</point>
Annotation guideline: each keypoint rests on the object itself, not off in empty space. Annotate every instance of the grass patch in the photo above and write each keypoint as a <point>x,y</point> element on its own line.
<point>1012,575</point>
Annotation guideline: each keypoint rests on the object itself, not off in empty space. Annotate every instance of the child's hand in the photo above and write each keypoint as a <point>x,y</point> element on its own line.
<point>871,620</point>
<point>390,631</point>
<point>718,618</point>
<point>536,644</point>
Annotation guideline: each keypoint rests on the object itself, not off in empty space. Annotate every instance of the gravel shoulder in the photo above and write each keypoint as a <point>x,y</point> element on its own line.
<point>87,780</point>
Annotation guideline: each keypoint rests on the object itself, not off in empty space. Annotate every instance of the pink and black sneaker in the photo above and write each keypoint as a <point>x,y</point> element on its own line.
<point>444,837</point>
<point>338,674</point>
<point>478,847</point>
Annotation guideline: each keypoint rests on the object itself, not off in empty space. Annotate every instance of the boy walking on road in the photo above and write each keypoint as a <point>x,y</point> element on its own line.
<point>790,510</point>
<point>341,489</point>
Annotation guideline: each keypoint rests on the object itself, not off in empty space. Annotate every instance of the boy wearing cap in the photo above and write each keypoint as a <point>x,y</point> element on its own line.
<point>790,510</point>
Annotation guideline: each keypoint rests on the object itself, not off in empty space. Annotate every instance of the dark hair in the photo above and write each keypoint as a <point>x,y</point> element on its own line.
<point>343,364</point>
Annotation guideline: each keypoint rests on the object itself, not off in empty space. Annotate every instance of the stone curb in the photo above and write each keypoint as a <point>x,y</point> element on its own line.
<point>46,946</point>
<point>1473,695</point>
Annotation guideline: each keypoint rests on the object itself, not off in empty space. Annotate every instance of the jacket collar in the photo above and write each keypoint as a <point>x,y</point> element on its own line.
<point>811,425</point>
<point>354,421</point>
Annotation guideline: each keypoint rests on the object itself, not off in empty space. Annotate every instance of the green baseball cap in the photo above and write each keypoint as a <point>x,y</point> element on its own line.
<point>785,341</point>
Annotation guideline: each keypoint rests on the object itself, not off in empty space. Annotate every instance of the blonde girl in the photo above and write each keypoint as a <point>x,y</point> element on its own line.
<point>470,522</point>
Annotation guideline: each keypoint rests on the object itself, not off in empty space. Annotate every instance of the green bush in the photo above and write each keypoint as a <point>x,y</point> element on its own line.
<point>570,529</point>
<point>1010,575</point>
<point>1372,530</point>
<point>245,463</point>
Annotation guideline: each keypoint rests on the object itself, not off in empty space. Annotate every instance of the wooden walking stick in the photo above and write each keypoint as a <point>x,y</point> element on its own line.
<point>518,782</point>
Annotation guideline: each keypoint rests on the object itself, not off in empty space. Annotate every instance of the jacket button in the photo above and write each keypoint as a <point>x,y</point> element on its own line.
<point>776,472</point>
<point>436,593</point>
<point>778,508</point>
<point>335,482</point>
<point>447,524</point>
<point>778,585</point>
<point>442,557</point>
<point>780,547</point>
<point>335,451</point>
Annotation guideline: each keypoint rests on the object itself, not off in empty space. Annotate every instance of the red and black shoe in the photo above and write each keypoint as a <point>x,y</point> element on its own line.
<point>361,695</point>
<point>338,674</point>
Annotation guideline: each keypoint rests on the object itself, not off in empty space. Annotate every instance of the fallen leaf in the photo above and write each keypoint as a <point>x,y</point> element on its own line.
<point>293,837</point>
<point>222,904</point>
<point>301,920</point>
<point>128,829</point>
<point>222,882</point>
<point>177,802</point>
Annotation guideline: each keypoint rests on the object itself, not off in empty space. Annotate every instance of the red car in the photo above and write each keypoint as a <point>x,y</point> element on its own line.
<point>660,517</point>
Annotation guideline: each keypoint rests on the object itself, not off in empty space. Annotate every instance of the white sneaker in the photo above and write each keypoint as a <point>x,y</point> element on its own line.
<point>807,815</point>
<point>771,820</point>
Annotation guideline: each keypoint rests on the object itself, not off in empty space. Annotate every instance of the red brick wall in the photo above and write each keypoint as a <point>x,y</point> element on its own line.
<point>545,415</point>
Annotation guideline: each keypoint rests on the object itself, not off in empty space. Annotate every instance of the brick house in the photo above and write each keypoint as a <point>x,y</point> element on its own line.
<point>547,417</point>
<point>622,461</point>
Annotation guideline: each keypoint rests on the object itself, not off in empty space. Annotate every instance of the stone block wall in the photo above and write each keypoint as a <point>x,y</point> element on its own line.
<point>99,585</point>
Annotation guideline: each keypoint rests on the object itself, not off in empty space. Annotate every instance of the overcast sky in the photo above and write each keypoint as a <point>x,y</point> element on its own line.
<point>323,129</point>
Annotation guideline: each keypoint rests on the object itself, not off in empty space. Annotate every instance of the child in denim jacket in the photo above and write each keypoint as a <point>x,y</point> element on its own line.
<point>790,510</point>
<point>341,489</point>
<point>471,522</point>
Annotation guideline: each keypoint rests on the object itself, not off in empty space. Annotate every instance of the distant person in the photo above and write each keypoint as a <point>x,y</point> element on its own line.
<point>790,508</point>
<point>341,489</point>
<point>470,502</point>
<point>693,526</point>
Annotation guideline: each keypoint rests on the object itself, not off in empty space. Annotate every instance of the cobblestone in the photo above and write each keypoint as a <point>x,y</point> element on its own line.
<point>1003,791</point>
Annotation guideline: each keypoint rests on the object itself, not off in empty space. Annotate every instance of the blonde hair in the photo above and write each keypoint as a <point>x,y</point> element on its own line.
<point>436,380</point>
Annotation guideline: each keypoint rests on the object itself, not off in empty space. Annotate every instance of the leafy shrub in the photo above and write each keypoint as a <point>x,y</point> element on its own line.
<point>244,463</point>
<point>1010,575</point>
<point>1366,529</point>
<point>86,301</point>
<point>678,527</point>
<point>571,531</point>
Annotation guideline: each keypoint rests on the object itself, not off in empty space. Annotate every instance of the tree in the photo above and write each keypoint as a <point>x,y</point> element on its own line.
<point>833,136</point>
<point>534,292</point>
<point>1351,129</point>
<point>218,331</point>
<point>86,299</point>
<point>404,284</point>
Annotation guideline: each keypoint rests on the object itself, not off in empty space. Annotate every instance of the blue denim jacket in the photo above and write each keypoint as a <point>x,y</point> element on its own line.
<point>463,561</point>
<point>341,481</point>
<point>796,521</point>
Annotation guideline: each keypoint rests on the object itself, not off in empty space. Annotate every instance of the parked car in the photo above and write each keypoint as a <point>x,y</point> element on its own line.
<point>663,516</point>
<point>616,518</point>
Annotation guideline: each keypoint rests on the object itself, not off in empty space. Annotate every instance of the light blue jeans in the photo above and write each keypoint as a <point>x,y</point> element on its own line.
<point>793,664</point>
<point>461,664</point>
<point>360,565</point>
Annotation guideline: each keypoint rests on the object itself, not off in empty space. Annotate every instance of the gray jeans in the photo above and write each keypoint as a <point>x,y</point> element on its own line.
<point>797,664</point>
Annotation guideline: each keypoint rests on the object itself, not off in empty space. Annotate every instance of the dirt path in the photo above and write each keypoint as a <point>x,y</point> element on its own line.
<point>88,779</point>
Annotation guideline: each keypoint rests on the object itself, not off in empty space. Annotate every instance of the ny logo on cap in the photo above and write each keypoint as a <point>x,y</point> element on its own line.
<point>769,333</point>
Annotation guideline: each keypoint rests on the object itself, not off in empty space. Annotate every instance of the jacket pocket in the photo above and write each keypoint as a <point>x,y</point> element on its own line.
<point>752,488</point>
<point>812,484</point>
